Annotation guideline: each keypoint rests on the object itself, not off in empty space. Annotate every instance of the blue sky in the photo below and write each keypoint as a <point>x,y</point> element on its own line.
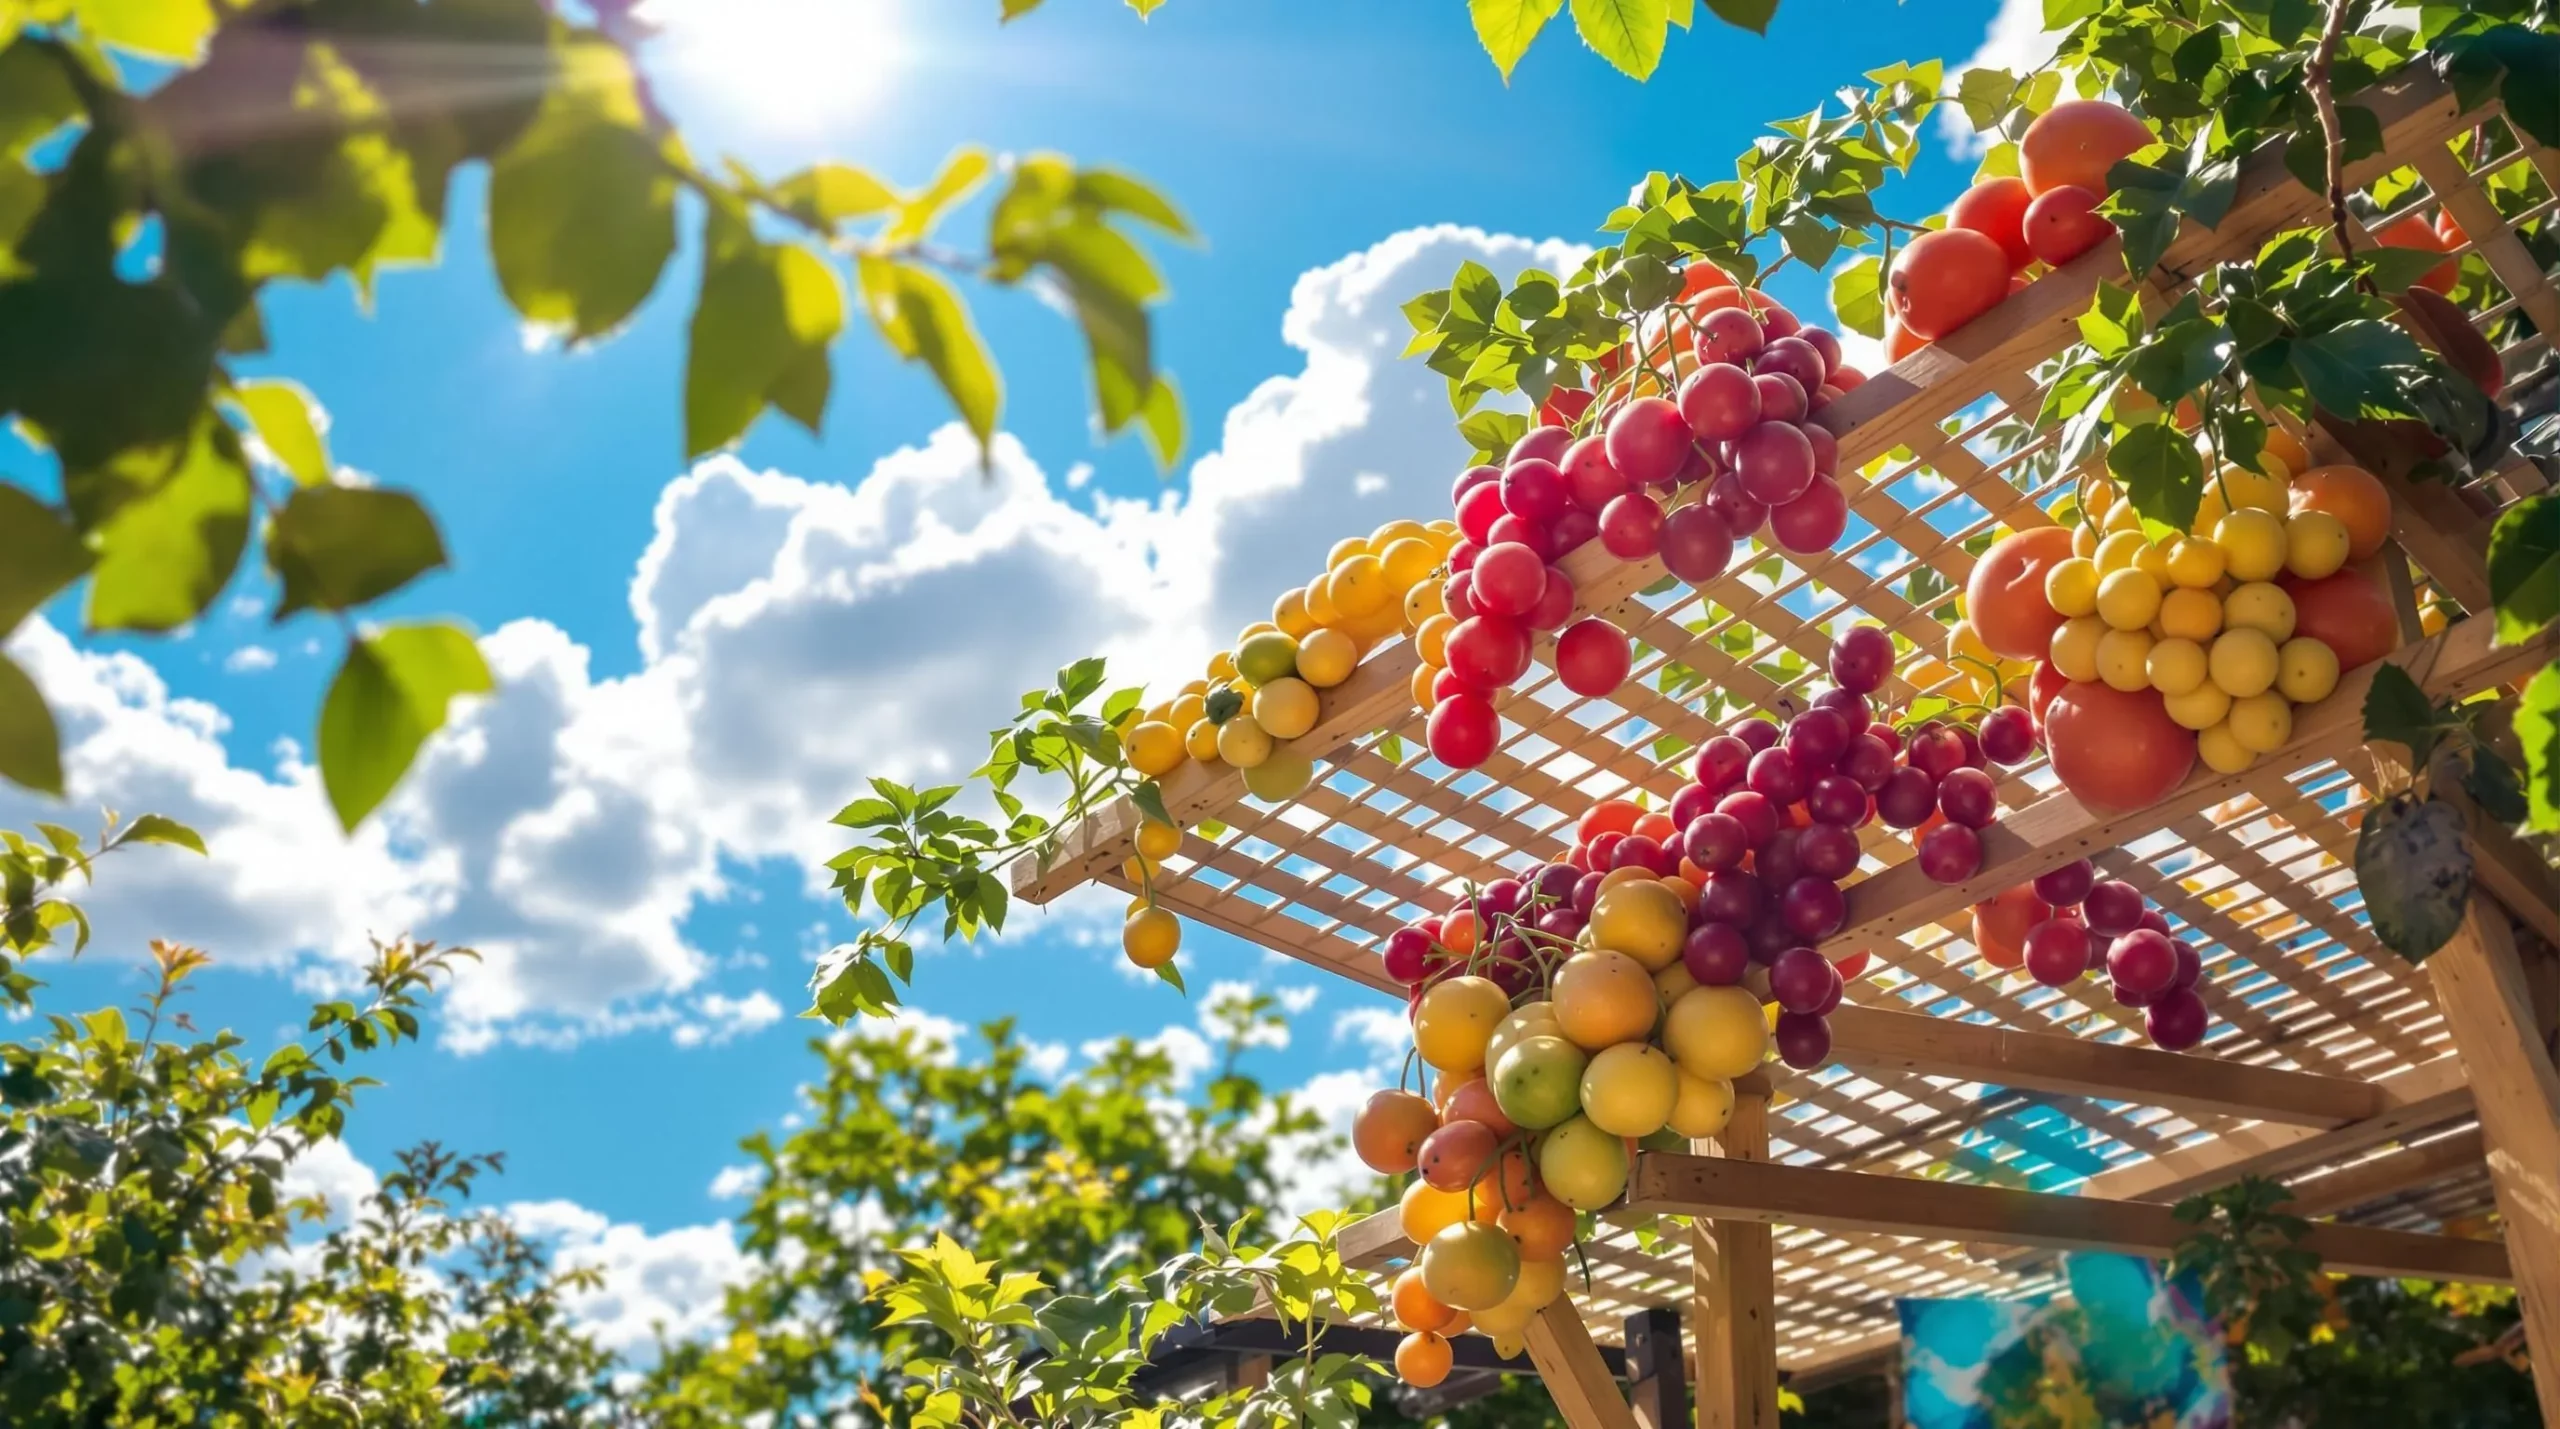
<point>633,818</point>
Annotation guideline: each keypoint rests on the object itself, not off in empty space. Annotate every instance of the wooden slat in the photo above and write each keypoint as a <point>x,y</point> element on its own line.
<point>1666,1183</point>
<point>2424,1096</point>
<point>2391,1173</point>
<point>1870,1040</point>
<point>2464,660</point>
<point>1575,1375</point>
<point>2490,1010</point>
<point>2496,243</point>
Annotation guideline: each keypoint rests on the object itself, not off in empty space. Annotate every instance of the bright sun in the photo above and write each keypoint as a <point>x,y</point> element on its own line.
<point>791,64</point>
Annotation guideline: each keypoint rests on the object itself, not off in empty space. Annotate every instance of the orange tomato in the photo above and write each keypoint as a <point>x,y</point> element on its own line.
<point>2077,142</point>
<point>2356,497</point>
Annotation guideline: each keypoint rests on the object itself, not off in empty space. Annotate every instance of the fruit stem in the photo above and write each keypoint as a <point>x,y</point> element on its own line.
<point>1987,668</point>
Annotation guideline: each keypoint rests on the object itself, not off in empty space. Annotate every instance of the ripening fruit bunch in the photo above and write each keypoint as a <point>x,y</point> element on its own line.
<point>2001,228</point>
<point>2157,652</point>
<point>1687,476</point>
<point>2070,922</point>
<point>1543,1095</point>
<point>1263,694</point>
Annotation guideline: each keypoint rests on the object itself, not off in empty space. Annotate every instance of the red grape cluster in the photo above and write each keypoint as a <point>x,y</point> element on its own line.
<point>1515,522</point>
<point>1513,930</point>
<point>2074,922</point>
<point>1737,440</point>
<point>1938,781</point>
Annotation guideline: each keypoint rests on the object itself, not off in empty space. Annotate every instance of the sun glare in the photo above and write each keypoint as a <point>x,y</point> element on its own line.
<point>788,64</point>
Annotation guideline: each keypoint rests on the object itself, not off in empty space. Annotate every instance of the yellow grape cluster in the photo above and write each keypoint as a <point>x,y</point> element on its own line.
<point>2199,617</point>
<point>1260,695</point>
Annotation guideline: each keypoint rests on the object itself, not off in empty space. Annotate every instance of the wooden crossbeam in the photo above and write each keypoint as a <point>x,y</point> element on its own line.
<point>1874,1041</point>
<point>2464,660</point>
<point>1665,1183</point>
<point>1576,1376</point>
<point>2390,1174</point>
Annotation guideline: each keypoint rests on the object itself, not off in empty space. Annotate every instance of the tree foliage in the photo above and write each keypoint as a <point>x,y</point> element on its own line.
<point>146,215</point>
<point>1098,1176</point>
<point>149,1274</point>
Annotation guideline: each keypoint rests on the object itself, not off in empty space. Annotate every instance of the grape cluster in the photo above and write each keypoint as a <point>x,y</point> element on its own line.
<point>1934,778</point>
<point>2074,923</point>
<point>1515,931</point>
<point>1686,479</point>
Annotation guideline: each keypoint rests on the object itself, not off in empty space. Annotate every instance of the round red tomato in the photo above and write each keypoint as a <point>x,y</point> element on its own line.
<point>2005,598</point>
<point>2349,612</point>
<point>2115,750</point>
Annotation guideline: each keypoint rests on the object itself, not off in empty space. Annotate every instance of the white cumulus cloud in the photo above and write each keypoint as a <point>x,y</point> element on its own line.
<point>798,636</point>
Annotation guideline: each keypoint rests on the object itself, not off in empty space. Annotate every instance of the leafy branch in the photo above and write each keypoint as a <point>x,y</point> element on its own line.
<point>300,140</point>
<point>921,855</point>
<point>1073,1360</point>
<point>2245,1253</point>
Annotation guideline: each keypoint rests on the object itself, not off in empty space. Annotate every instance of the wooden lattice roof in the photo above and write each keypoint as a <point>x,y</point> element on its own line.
<point>2349,1081</point>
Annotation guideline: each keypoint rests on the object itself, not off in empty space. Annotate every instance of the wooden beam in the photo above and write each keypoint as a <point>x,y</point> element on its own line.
<point>1870,1040</point>
<point>2390,1173</point>
<point>2057,829</point>
<point>2481,985</point>
<point>1575,1375</point>
<point>1947,1210</point>
<point>1734,1273</point>
<point>1656,1388</point>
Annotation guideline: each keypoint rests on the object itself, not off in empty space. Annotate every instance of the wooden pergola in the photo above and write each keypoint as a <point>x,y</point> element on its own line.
<point>1973,1119</point>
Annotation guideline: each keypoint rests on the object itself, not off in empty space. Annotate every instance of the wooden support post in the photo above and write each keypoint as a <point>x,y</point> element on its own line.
<point>1656,1387</point>
<point>1736,1282</point>
<point>2488,1008</point>
<point>1575,1375</point>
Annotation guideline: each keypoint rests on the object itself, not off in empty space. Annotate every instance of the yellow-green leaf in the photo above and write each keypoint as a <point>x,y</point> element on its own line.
<point>923,319</point>
<point>30,745</point>
<point>1627,33</point>
<point>160,29</point>
<point>164,556</point>
<point>582,205</point>
<point>1506,27</point>
<point>40,553</point>
<point>961,174</point>
<point>832,193</point>
<point>339,547</point>
<point>760,332</point>
<point>287,420</point>
<point>393,690</point>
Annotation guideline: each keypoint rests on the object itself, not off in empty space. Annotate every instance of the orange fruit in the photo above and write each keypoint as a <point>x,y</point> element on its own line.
<point>2356,497</point>
<point>1422,1360</point>
<point>2076,142</point>
<point>1416,1308</point>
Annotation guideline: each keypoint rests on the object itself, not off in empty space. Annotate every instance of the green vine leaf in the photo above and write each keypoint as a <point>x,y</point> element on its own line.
<point>2396,710</point>
<point>393,689</point>
<point>2524,567</point>
<point>2413,864</point>
<point>40,553</point>
<point>2537,721</point>
<point>1507,27</point>
<point>339,547</point>
<point>287,420</point>
<point>1629,34</point>
<point>30,744</point>
<point>1752,15</point>
<point>163,558</point>
<point>759,337</point>
<point>582,211</point>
